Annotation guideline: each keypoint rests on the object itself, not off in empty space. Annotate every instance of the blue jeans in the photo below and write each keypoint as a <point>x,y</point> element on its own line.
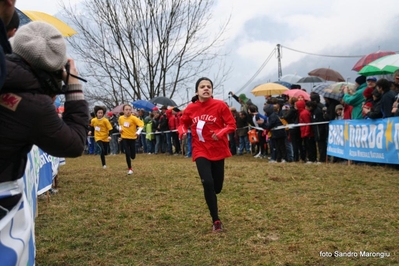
<point>114,143</point>
<point>244,144</point>
<point>150,145</point>
<point>169,142</point>
<point>290,150</point>
<point>91,143</point>
<point>189,147</point>
<point>143,142</point>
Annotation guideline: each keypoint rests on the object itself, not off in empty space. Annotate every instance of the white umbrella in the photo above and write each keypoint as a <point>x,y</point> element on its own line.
<point>291,78</point>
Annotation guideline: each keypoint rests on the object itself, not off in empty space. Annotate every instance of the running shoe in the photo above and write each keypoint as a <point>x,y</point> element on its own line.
<point>217,226</point>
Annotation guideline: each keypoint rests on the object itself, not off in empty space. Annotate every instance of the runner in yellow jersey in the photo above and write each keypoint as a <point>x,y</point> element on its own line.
<point>100,129</point>
<point>130,127</point>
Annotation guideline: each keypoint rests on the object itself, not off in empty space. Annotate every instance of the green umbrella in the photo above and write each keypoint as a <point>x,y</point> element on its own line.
<point>382,66</point>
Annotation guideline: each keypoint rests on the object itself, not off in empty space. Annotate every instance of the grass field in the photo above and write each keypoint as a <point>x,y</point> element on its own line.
<point>273,214</point>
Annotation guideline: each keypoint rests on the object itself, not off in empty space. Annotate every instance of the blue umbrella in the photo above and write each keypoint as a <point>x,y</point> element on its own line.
<point>284,83</point>
<point>143,104</point>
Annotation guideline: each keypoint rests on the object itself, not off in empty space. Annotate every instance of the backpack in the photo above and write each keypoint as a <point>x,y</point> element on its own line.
<point>253,136</point>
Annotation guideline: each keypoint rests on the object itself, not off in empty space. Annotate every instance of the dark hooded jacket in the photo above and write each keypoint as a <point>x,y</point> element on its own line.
<point>273,121</point>
<point>29,118</point>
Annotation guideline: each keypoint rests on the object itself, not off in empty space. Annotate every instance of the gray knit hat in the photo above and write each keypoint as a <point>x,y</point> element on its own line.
<point>41,45</point>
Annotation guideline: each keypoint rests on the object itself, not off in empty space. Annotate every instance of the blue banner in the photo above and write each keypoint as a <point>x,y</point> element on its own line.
<point>17,238</point>
<point>369,140</point>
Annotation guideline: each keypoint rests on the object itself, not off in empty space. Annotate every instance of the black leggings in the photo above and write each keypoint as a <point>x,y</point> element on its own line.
<point>103,148</point>
<point>130,150</point>
<point>212,177</point>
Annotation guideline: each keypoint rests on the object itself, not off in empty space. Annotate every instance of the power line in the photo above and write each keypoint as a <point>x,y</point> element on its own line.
<point>258,71</point>
<point>323,55</point>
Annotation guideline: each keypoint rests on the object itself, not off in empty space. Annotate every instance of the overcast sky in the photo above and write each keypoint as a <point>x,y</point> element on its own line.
<point>339,27</point>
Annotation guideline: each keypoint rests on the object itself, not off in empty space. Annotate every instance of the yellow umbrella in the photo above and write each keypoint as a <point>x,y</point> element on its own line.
<point>269,89</point>
<point>64,28</point>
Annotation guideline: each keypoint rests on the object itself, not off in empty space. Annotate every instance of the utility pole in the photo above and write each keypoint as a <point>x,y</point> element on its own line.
<point>280,72</point>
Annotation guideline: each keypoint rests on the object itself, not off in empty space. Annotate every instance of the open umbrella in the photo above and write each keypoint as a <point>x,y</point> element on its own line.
<point>28,16</point>
<point>291,78</point>
<point>384,65</point>
<point>367,59</point>
<point>327,74</point>
<point>143,104</point>
<point>269,89</point>
<point>284,83</point>
<point>297,93</point>
<point>333,91</point>
<point>118,109</point>
<point>163,101</point>
<point>312,79</point>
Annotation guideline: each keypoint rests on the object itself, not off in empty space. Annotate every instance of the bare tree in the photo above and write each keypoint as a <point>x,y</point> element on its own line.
<point>139,49</point>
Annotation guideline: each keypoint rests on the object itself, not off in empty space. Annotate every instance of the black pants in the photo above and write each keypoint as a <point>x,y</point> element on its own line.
<point>130,150</point>
<point>176,142</point>
<point>103,148</point>
<point>311,150</point>
<point>281,151</point>
<point>322,146</point>
<point>232,143</point>
<point>297,145</point>
<point>212,177</point>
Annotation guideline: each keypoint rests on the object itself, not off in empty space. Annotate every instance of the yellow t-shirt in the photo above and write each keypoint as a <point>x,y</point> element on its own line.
<point>129,126</point>
<point>101,128</point>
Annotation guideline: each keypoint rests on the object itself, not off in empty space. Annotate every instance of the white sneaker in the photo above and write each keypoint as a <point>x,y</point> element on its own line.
<point>283,161</point>
<point>309,162</point>
<point>272,161</point>
<point>104,167</point>
<point>257,155</point>
<point>130,172</point>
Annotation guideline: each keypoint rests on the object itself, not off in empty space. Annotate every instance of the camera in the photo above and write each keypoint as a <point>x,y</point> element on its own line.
<point>58,73</point>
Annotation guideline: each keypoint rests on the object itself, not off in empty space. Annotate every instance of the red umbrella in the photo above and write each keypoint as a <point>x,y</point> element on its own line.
<point>327,74</point>
<point>298,93</point>
<point>367,59</point>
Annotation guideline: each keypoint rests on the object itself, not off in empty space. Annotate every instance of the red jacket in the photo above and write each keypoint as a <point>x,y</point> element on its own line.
<point>215,117</point>
<point>304,117</point>
<point>171,119</point>
<point>348,111</point>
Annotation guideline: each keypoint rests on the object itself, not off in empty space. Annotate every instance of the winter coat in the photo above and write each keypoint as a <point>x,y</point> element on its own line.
<point>304,117</point>
<point>273,121</point>
<point>387,100</point>
<point>356,101</point>
<point>29,118</point>
<point>320,131</point>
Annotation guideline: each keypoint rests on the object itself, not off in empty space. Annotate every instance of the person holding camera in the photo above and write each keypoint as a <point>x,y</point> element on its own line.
<point>35,73</point>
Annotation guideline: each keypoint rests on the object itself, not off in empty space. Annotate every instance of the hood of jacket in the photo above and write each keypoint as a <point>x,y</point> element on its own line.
<point>300,105</point>
<point>268,109</point>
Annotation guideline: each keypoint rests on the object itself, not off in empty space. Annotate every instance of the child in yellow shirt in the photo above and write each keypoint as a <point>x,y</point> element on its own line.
<point>101,128</point>
<point>130,127</point>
